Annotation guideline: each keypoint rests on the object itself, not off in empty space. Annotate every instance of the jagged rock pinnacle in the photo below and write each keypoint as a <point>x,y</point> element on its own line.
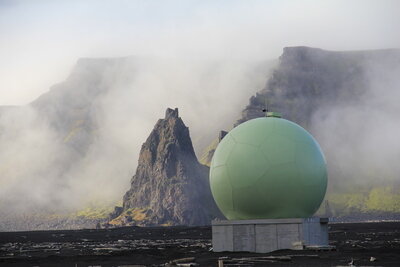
<point>170,186</point>
<point>171,113</point>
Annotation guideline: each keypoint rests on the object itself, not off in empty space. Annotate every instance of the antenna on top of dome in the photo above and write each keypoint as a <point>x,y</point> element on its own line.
<point>267,112</point>
<point>265,109</point>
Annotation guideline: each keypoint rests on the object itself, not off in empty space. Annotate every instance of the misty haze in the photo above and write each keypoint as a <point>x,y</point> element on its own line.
<point>83,84</point>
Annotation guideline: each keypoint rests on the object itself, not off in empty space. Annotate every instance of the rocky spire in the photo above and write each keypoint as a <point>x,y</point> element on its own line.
<point>170,185</point>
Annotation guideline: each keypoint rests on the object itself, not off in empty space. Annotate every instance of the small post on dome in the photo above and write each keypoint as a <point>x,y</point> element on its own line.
<point>269,113</point>
<point>265,109</point>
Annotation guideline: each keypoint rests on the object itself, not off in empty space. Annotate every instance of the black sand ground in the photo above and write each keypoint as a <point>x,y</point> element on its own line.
<point>367,244</point>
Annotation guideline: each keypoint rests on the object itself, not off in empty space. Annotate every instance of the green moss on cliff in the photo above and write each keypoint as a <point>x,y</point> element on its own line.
<point>208,153</point>
<point>375,200</point>
<point>96,211</point>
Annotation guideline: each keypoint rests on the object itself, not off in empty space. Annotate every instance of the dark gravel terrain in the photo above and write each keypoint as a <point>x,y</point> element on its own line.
<point>362,244</point>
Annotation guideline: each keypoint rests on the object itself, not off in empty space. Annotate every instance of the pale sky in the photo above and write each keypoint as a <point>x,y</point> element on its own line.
<point>40,40</point>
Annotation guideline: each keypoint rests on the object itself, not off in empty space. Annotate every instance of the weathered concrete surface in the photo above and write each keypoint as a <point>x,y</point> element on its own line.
<point>268,235</point>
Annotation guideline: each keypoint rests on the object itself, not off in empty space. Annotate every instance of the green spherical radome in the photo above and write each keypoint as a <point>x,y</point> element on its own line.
<point>268,168</point>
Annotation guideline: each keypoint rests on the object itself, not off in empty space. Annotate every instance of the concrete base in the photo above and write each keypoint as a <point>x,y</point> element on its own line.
<point>267,235</point>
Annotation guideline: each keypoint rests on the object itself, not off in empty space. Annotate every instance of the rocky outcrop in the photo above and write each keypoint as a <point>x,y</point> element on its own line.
<point>170,186</point>
<point>307,79</point>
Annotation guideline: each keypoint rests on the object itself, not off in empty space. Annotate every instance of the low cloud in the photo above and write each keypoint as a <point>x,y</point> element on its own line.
<point>360,135</point>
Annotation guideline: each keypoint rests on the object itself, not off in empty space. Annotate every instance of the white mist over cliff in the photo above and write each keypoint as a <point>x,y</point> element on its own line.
<point>79,143</point>
<point>42,39</point>
<point>360,134</point>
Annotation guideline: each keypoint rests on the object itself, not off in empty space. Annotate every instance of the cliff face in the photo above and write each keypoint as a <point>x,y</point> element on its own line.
<point>308,79</point>
<point>170,186</point>
<point>53,138</point>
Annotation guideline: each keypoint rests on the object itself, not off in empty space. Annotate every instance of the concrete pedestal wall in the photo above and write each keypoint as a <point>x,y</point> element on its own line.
<point>269,234</point>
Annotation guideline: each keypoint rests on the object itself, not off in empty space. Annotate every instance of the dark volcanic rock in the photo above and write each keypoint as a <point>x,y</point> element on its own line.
<point>309,79</point>
<point>170,185</point>
<point>364,244</point>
